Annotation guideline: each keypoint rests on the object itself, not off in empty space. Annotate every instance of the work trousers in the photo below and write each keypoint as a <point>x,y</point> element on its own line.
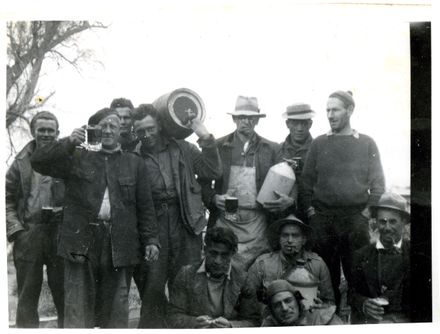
<point>335,238</point>
<point>96,293</point>
<point>179,247</point>
<point>34,249</point>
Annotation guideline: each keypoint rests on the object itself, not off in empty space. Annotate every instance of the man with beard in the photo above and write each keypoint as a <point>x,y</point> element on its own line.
<point>172,168</point>
<point>380,292</point>
<point>286,308</point>
<point>246,159</point>
<point>108,218</point>
<point>125,108</point>
<point>341,179</point>
<point>289,239</point>
<point>34,204</point>
<point>211,293</point>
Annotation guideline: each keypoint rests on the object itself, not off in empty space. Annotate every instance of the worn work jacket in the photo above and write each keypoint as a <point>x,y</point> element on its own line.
<point>18,188</point>
<point>189,299</point>
<point>265,157</point>
<point>272,266</point>
<point>86,175</point>
<point>187,161</point>
<point>365,281</point>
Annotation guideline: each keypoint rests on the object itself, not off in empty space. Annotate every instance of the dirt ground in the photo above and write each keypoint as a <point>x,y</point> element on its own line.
<point>46,307</point>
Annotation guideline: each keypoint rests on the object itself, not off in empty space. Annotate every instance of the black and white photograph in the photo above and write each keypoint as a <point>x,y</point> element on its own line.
<point>218,164</point>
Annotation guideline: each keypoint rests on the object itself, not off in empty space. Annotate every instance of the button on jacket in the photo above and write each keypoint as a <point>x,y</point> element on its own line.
<point>86,175</point>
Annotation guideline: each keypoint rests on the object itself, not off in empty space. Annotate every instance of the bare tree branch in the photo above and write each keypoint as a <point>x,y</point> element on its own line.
<point>29,43</point>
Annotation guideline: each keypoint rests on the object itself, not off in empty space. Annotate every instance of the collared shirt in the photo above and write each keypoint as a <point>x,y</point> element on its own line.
<point>105,210</point>
<point>215,291</point>
<point>353,133</point>
<point>202,270</point>
<point>379,244</point>
<point>243,154</point>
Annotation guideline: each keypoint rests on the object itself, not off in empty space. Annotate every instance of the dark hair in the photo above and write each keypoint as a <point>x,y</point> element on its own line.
<point>222,235</point>
<point>121,103</point>
<point>43,115</point>
<point>144,110</point>
<point>274,236</point>
<point>298,297</point>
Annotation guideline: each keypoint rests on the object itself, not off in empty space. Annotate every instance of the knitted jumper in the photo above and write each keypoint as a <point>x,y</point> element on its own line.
<point>342,171</point>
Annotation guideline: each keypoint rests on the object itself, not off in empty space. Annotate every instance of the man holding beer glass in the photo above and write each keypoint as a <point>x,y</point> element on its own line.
<point>109,216</point>
<point>380,290</point>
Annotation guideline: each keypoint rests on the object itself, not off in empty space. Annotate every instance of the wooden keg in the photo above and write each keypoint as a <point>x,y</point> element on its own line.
<point>175,110</point>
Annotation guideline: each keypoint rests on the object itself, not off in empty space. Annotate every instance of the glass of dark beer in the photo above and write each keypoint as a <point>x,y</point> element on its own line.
<point>93,135</point>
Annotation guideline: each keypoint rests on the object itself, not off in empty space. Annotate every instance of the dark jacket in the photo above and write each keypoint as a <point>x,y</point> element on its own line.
<point>18,188</point>
<point>289,149</point>
<point>365,281</point>
<point>187,161</point>
<point>189,299</point>
<point>265,154</point>
<point>86,175</point>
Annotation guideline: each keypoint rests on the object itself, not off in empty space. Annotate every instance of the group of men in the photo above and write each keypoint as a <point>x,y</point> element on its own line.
<point>137,208</point>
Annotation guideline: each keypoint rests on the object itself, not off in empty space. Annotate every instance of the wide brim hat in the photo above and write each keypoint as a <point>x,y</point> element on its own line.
<point>275,227</point>
<point>299,111</point>
<point>391,201</point>
<point>247,106</point>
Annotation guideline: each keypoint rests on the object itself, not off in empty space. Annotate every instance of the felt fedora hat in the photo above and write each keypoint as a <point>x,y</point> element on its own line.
<point>299,111</point>
<point>247,106</point>
<point>392,201</point>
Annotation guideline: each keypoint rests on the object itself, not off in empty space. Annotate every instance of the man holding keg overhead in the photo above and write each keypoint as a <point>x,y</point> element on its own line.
<point>172,168</point>
<point>341,179</point>
<point>125,108</point>
<point>246,159</point>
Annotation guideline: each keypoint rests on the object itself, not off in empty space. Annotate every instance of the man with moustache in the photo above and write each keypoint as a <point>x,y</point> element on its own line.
<point>381,271</point>
<point>172,168</point>
<point>34,204</point>
<point>108,218</point>
<point>246,159</point>
<point>211,293</point>
<point>125,110</point>
<point>341,179</point>
<point>289,243</point>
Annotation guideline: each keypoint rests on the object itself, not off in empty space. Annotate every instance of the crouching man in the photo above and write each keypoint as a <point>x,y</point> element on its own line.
<point>286,308</point>
<point>211,293</point>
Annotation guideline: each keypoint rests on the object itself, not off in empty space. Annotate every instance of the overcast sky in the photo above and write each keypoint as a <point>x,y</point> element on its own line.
<point>281,55</point>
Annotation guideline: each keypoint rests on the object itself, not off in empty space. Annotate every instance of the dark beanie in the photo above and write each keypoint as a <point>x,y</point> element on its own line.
<point>101,114</point>
<point>346,97</point>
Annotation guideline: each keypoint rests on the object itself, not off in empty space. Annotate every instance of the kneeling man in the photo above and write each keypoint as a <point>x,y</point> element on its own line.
<point>211,293</point>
